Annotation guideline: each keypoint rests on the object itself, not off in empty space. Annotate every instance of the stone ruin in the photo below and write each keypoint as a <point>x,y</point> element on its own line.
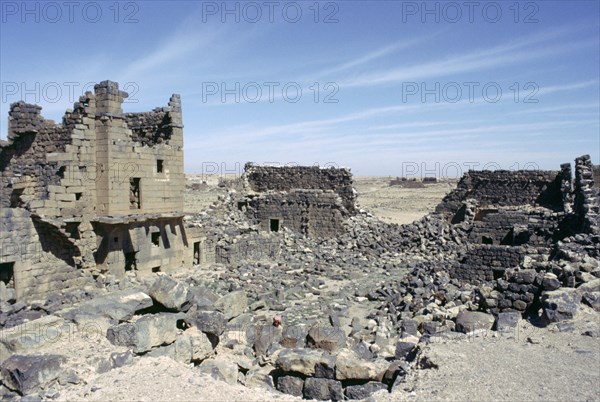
<point>93,231</point>
<point>100,192</point>
<point>310,200</point>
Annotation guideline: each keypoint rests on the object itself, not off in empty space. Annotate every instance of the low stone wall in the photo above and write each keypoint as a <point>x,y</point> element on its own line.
<point>484,263</point>
<point>266,178</point>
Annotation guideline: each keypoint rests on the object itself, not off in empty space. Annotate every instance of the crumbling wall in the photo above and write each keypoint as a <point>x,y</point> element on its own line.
<point>587,196</point>
<point>505,188</point>
<point>310,212</point>
<point>58,179</point>
<point>512,227</point>
<point>150,128</point>
<point>267,178</point>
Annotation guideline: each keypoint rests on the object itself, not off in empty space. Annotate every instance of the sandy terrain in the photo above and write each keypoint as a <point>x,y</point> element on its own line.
<point>394,204</point>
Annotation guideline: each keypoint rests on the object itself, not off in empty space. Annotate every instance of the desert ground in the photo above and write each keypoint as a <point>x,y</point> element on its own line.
<point>556,363</point>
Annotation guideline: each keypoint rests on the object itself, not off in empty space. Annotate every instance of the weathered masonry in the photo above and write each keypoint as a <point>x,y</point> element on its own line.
<point>100,192</point>
<point>514,214</point>
<point>310,200</point>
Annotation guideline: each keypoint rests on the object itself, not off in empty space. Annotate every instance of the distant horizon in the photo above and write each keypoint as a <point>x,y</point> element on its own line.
<point>381,87</point>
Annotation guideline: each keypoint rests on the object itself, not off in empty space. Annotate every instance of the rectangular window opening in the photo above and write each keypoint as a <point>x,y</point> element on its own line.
<point>274,224</point>
<point>155,239</point>
<point>78,196</point>
<point>135,196</point>
<point>7,273</point>
<point>197,253</point>
<point>159,165</point>
<point>130,261</point>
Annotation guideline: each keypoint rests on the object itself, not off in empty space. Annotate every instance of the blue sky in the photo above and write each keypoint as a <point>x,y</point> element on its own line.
<point>387,87</point>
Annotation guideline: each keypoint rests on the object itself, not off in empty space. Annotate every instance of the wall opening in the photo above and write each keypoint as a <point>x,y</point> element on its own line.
<point>242,204</point>
<point>155,239</point>
<point>507,240</point>
<point>135,196</point>
<point>274,224</point>
<point>159,165</point>
<point>487,240</point>
<point>197,253</point>
<point>7,274</point>
<point>78,196</point>
<point>15,198</point>
<point>156,269</point>
<point>130,261</point>
<point>72,228</point>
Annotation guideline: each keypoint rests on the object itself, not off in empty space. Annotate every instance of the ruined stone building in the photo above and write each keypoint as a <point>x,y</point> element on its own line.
<point>513,214</point>
<point>102,191</point>
<point>312,201</point>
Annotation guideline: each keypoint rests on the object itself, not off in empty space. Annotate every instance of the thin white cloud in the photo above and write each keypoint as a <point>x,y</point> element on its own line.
<point>515,52</point>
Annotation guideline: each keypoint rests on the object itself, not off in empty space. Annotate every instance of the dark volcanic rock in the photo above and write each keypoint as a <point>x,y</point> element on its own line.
<point>323,389</point>
<point>290,385</point>
<point>31,373</point>
<point>363,391</point>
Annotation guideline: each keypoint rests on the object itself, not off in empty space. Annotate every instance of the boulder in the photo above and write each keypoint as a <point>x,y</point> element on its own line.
<point>121,359</point>
<point>590,292</point>
<point>349,366</point>
<point>323,389</point>
<point>405,347</point>
<point>260,377</point>
<point>266,336</point>
<point>325,368</point>
<point>27,374</point>
<point>294,336</point>
<point>113,307</point>
<point>363,391</point>
<point>290,385</point>
<point>327,338</point>
<point>170,293</point>
<point>202,346</point>
<point>301,361</point>
<point>210,322</point>
<point>220,370</point>
<point>201,298</point>
<point>560,304</point>
<point>180,350</point>
<point>145,333</point>
<point>232,304</point>
<point>32,335</point>
<point>507,321</point>
<point>550,281</point>
<point>468,321</point>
